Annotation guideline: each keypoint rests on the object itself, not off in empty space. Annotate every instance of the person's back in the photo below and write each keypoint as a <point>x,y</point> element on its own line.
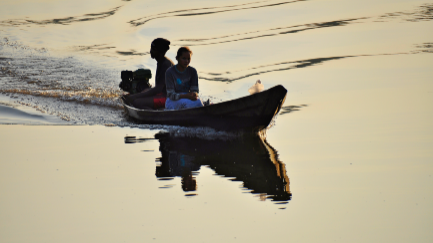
<point>154,98</point>
<point>161,68</point>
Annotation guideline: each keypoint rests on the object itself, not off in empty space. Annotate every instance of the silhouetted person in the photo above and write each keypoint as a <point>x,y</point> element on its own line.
<point>154,98</point>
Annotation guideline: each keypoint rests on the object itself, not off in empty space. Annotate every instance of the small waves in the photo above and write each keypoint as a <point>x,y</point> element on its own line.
<point>422,13</point>
<point>91,48</point>
<point>84,92</point>
<point>264,33</point>
<point>101,48</point>
<point>230,76</point>
<point>78,113</point>
<point>424,48</point>
<point>33,71</point>
<point>210,10</point>
<point>61,21</point>
<point>97,97</point>
<point>291,108</point>
<point>74,90</point>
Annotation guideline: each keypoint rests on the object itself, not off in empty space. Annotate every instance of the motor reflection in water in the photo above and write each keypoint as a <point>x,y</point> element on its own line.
<point>249,159</point>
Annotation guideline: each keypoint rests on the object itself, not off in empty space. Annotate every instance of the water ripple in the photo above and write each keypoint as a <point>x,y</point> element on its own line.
<point>62,21</point>
<point>205,11</point>
<point>102,47</point>
<point>132,52</point>
<point>424,47</point>
<point>269,68</point>
<point>274,32</point>
<point>93,47</point>
<point>422,13</point>
<point>291,108</point>
<point>288,65</point>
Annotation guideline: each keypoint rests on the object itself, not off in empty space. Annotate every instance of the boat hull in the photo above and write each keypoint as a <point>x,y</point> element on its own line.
<point>252,113</point>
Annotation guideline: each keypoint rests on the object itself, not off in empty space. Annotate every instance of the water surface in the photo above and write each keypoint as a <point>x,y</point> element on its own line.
<point>348,158</point>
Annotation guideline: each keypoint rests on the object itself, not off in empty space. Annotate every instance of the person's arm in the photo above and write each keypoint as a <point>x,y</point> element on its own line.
<point>190,95</point>
<point>159,80</point>
<point>170,86</point>
<point>194,81</point>
<point>193,90</point>
<point>155,90</point>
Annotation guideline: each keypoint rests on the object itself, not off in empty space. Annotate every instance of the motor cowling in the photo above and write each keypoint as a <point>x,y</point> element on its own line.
<point>135,82</point>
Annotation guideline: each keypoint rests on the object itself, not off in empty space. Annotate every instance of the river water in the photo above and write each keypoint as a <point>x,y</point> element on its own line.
<point>348,159</point>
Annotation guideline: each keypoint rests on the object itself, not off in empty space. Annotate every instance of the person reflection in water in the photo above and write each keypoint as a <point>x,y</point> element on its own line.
<point>249,159</point>
<point>182,83</point>
<point>188,181</point>
<point>154,98</point>
<point>179,165</point>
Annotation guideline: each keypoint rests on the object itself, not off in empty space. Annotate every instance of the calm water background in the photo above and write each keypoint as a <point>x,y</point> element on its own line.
<point>354,139</point>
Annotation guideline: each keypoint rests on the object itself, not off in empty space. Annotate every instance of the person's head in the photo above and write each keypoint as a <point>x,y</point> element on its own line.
<point>159,47</point>
<point>183,56</point>
<point>188,181</point>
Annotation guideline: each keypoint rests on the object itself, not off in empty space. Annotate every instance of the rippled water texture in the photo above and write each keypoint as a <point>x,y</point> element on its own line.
<point>348,159</point>
<point>69,52</point>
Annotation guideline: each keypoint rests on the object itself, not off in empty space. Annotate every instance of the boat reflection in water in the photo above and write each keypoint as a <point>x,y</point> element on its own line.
<point>249,159</point>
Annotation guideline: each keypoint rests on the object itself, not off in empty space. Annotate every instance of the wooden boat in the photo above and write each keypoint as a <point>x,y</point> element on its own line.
<point>249,113</point>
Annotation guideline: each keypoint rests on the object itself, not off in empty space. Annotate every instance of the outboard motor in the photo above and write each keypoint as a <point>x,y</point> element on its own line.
<point>135,82</point>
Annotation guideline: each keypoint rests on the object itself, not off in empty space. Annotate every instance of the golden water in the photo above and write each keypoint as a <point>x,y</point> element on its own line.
<point>352,147</point>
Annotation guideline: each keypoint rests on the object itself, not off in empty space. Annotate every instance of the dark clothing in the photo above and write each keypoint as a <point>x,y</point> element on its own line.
<point>161,68</point>
<point>180,82</point>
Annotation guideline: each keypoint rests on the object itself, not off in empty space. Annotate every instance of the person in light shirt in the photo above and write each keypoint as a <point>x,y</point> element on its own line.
<point>181,82</point>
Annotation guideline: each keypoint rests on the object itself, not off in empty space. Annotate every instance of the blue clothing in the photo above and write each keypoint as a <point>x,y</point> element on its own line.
<point>182,104</point>
<point>180,82</point>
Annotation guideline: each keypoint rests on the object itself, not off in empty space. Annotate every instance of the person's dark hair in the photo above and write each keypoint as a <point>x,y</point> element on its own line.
<point>182,50</point>
<point>161,44</point>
